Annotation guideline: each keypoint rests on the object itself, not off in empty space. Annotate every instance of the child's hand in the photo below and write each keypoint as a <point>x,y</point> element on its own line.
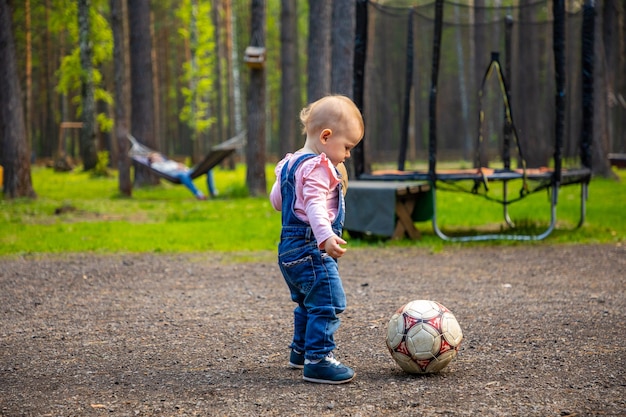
<point>331,246</point>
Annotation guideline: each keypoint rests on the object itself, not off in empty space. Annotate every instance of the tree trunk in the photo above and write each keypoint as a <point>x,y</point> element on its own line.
<point>193,79</point>
<point>319,54</point>
<point>49,141</point>
<point>14,150</point>
<point>481,62</point>
<point>88,151</point>
<point>230,84</point>
<point>255,147</point>
<point>142,96</point>
<point>235,124</point>
<point>601,135</point>
<point>532,124</point>
<point>290,78</point>
<point>121,118</point>
<point>156,104</point>
<point>219,53</point>
<point>343,32</point>
<point>620,99</point>
<point>614,37</point>
<point>464,79</point>
<point>29,75</point>
<point>237,115</point>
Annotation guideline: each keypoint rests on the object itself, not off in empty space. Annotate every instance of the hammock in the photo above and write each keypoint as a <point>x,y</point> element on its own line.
<point>139,153</point>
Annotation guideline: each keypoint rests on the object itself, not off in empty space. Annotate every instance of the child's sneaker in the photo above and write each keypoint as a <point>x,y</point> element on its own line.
<point>328,371</point>
<point>296,359</point>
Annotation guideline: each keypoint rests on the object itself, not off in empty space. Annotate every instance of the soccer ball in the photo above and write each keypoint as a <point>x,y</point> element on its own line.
<point>423,336</point>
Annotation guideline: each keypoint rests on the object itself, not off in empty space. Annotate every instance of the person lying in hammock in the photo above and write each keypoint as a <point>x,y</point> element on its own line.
<point>175,169</point>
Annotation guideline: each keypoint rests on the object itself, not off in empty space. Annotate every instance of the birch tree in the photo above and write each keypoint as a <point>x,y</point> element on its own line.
<point>88,150</point>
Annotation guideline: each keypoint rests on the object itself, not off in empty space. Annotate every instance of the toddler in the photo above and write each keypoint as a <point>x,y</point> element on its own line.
<point>308,191</point>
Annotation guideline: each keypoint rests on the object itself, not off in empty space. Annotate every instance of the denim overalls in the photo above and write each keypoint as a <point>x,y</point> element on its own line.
<point>311,274</point>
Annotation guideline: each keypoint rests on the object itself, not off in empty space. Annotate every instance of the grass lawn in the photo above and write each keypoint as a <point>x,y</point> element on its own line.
<point>77,213</point>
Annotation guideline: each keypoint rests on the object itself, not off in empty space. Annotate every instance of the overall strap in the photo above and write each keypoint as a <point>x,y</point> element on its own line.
<point>288,173</point>
<point>291,223</point>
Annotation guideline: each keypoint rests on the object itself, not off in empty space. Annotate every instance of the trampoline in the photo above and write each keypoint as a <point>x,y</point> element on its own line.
<point>429,81</point>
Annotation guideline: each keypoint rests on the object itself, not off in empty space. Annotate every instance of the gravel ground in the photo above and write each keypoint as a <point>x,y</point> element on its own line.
<point>208,334</point>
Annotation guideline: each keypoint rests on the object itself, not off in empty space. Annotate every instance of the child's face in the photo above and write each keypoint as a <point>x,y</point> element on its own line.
<point>337,144</point>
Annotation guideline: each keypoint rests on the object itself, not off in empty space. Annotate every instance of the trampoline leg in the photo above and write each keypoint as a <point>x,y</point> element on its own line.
<point>505,205</point>
<point>501,236</point>
<point>438,231</point>
<point>584,194</point>
<point>553,202</point>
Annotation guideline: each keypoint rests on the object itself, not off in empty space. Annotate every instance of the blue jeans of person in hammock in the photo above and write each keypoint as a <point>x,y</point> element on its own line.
<point>187,182</point>
<point>176,169</point>
<point>210,184</point>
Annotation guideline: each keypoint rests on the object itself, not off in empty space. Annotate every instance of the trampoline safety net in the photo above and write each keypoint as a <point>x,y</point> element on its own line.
<point>398,70</point>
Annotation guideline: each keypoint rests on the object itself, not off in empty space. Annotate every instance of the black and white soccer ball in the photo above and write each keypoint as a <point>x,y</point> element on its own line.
<point>423,336</point>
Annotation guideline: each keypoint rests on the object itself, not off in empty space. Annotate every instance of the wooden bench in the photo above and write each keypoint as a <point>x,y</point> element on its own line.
<point>387,208</point>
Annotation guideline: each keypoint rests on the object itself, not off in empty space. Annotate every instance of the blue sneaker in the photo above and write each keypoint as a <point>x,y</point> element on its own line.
<point>328,371</point>
<point>296,359</point>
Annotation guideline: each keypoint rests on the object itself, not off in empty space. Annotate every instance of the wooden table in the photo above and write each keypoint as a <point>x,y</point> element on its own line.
<point>387,208</point>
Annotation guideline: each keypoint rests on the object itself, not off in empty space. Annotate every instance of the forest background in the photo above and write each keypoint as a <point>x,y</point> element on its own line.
<point>175,74</point>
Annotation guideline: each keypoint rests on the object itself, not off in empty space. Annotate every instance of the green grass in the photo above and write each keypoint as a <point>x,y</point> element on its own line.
<point>166,218</point>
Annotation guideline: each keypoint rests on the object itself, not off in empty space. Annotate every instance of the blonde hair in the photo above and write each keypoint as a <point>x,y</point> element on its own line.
<point>329,112</point>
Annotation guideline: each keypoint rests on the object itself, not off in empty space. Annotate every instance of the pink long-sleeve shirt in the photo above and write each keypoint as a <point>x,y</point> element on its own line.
<point>317,195</point>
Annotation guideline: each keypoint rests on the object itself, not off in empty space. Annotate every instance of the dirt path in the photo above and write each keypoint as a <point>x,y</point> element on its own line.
<point>143,335</point>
